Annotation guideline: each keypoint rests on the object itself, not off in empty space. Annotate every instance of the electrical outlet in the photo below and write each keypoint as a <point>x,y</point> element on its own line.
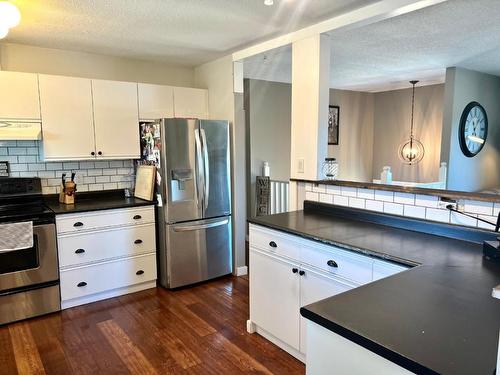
<point>444,203</point>
<point>300,165</point>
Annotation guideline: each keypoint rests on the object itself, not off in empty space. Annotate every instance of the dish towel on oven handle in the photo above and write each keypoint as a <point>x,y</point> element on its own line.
<point>16,236</point>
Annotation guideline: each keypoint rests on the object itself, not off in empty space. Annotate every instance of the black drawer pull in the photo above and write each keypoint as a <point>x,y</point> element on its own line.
<point>295,270</point>
<point>78,224</point>
<point>80,284</point>
<point>273,244</point>
<point>137,217</point>
<point>332,263</point>
<point>92,153</point>
<point>140,272</point>
<point>302,273</point>
<point>99,153</point>
<point>79,251</point>
<point>137,242</point>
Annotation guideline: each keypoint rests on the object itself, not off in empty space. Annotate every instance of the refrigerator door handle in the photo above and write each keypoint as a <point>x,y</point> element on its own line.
<point>206,168</point>
<point>199,176</point>
<point>188,228</point>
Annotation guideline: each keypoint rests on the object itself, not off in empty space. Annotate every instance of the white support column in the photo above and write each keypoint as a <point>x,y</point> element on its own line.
<point>310,98</point>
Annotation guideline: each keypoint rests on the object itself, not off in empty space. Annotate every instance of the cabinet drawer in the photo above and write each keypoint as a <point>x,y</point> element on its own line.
<point>92,279</point>
<point>274,242</point>
<point>73,223</point>
<point>357,268</point>
<point>81,248</point>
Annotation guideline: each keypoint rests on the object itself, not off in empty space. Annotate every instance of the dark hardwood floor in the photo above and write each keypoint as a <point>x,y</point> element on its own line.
<point>200,330</point>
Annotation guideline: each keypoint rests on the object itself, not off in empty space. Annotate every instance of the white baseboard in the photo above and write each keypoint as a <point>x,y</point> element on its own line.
<point>241,271</point>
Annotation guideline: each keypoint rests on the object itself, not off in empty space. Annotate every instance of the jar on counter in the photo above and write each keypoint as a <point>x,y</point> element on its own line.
<point>330,169</point>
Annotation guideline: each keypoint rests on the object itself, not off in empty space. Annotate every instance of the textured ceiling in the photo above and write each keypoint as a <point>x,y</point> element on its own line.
<point>187,32</point>
<point>418,45</point>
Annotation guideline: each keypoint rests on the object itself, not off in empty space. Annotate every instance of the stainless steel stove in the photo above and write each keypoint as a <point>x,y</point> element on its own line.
<point>29,277</point>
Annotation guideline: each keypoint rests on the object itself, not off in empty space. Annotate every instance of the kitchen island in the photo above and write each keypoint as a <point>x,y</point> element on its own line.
<point>437,317</point>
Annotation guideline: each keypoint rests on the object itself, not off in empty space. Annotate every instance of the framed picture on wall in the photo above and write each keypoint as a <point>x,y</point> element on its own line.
<point>333,124</point>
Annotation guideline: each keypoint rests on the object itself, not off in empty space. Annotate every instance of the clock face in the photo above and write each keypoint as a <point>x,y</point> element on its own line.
<point>473,129</point>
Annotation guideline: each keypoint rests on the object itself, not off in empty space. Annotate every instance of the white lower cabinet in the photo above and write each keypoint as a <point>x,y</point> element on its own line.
<point>288,272</point>
<point>101,258</point>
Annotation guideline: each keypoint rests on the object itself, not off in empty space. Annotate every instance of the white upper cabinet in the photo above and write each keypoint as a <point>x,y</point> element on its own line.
<point>155,101</point>
<point>67,125</point>
<point>190,103</point>
<point>19,98</point>
<point>116,119</point>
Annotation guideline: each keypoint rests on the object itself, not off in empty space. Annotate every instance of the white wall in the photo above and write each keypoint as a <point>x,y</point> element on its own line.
<point>355,148</point>
<point>482,171</point>
<point>24,58</point>
<point>217,77</point>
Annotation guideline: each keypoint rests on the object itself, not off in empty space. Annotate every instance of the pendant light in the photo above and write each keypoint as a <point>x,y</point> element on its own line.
<point>412,150</point>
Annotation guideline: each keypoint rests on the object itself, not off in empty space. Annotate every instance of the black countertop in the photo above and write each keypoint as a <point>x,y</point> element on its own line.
<point>438,317</point>
<point>95,201</point>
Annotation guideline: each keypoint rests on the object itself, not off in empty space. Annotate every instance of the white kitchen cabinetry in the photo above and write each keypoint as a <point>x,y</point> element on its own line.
<point>67,118</point>
<point>155,101</point>
<point>19,98</point>
<point>105,254</point>
<point>116,119</point>
<point>288,272</point>
<point>190,102</point>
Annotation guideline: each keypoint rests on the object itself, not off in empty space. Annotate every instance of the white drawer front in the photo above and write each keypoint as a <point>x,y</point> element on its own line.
<point>274,242</point>
<point>383,269</point>
<point>357,268</point>
<point>102,277</point>
<point>73,223</point>
<point>81,248</point>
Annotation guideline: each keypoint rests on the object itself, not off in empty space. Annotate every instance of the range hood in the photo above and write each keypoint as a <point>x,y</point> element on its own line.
<point>20,131</point>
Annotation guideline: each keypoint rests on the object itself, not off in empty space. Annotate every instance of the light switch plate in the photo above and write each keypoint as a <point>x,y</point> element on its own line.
<point>300,165</point>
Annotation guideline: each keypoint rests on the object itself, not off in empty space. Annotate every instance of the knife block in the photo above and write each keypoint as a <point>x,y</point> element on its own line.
<point>67,194</point>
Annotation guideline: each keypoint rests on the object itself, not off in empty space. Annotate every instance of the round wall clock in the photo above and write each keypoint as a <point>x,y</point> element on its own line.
<point>473,129</point>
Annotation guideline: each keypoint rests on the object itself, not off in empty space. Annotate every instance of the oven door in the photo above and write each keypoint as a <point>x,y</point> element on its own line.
<point>32,266</point>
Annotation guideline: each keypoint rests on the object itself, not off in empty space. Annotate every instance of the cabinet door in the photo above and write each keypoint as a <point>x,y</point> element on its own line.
<point>314,287</point>
<point>274,297</point>
<point>191,103</point>
<point>155,101</point>
<point>67,125</point>
<point>19,98</point>
<point>116,119</point>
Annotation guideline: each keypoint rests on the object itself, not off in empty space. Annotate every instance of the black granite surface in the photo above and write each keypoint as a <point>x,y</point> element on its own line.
<point>437,317</point>
<point>95,201</point>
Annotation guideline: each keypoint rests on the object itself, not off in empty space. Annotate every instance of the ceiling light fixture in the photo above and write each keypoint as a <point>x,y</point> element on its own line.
<point>412,150</point>
<point>9,17</point>
<point>268,2</point>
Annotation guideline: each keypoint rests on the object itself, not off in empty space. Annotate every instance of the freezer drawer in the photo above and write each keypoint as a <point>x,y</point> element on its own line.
<point>197,251</point>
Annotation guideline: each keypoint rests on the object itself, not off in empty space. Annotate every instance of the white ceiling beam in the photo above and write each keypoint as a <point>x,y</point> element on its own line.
<point>379,11</point>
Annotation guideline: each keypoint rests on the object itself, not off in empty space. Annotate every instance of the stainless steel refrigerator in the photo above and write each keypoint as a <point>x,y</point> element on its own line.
<point>194,193</point>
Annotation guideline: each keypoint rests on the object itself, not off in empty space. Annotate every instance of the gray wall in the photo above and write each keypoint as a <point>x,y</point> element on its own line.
<point>355,148</point>
<point>268,115</point>
<point>482,171</point>
<point>392,127</point>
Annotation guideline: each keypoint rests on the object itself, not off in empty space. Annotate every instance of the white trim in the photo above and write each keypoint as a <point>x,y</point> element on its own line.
<point>287,348</point>
<point>366,15</point>
<point>241,271</point>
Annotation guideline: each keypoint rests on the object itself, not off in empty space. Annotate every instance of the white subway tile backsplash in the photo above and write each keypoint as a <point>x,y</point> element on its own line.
<point>317,188</point>
<point>481,208</point>
<point>340,200</point>
<point>496,209</point>
<point>374,205</point>
<point>491,219</point>
<point>348,191</point>
<point>393,208</point>
<point>426,201</point>
<point>312,196</point>
<point>459,219</point>
<point>309,186</point>
<point>384,196</point>
<point>356,202</point>
<point>24,162</point>
<point>333,189</point>
<point>414,211</point>
<point>326,198</point>
<point>404,198</point>
<point>436,214</point>
<point>366,193</point>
